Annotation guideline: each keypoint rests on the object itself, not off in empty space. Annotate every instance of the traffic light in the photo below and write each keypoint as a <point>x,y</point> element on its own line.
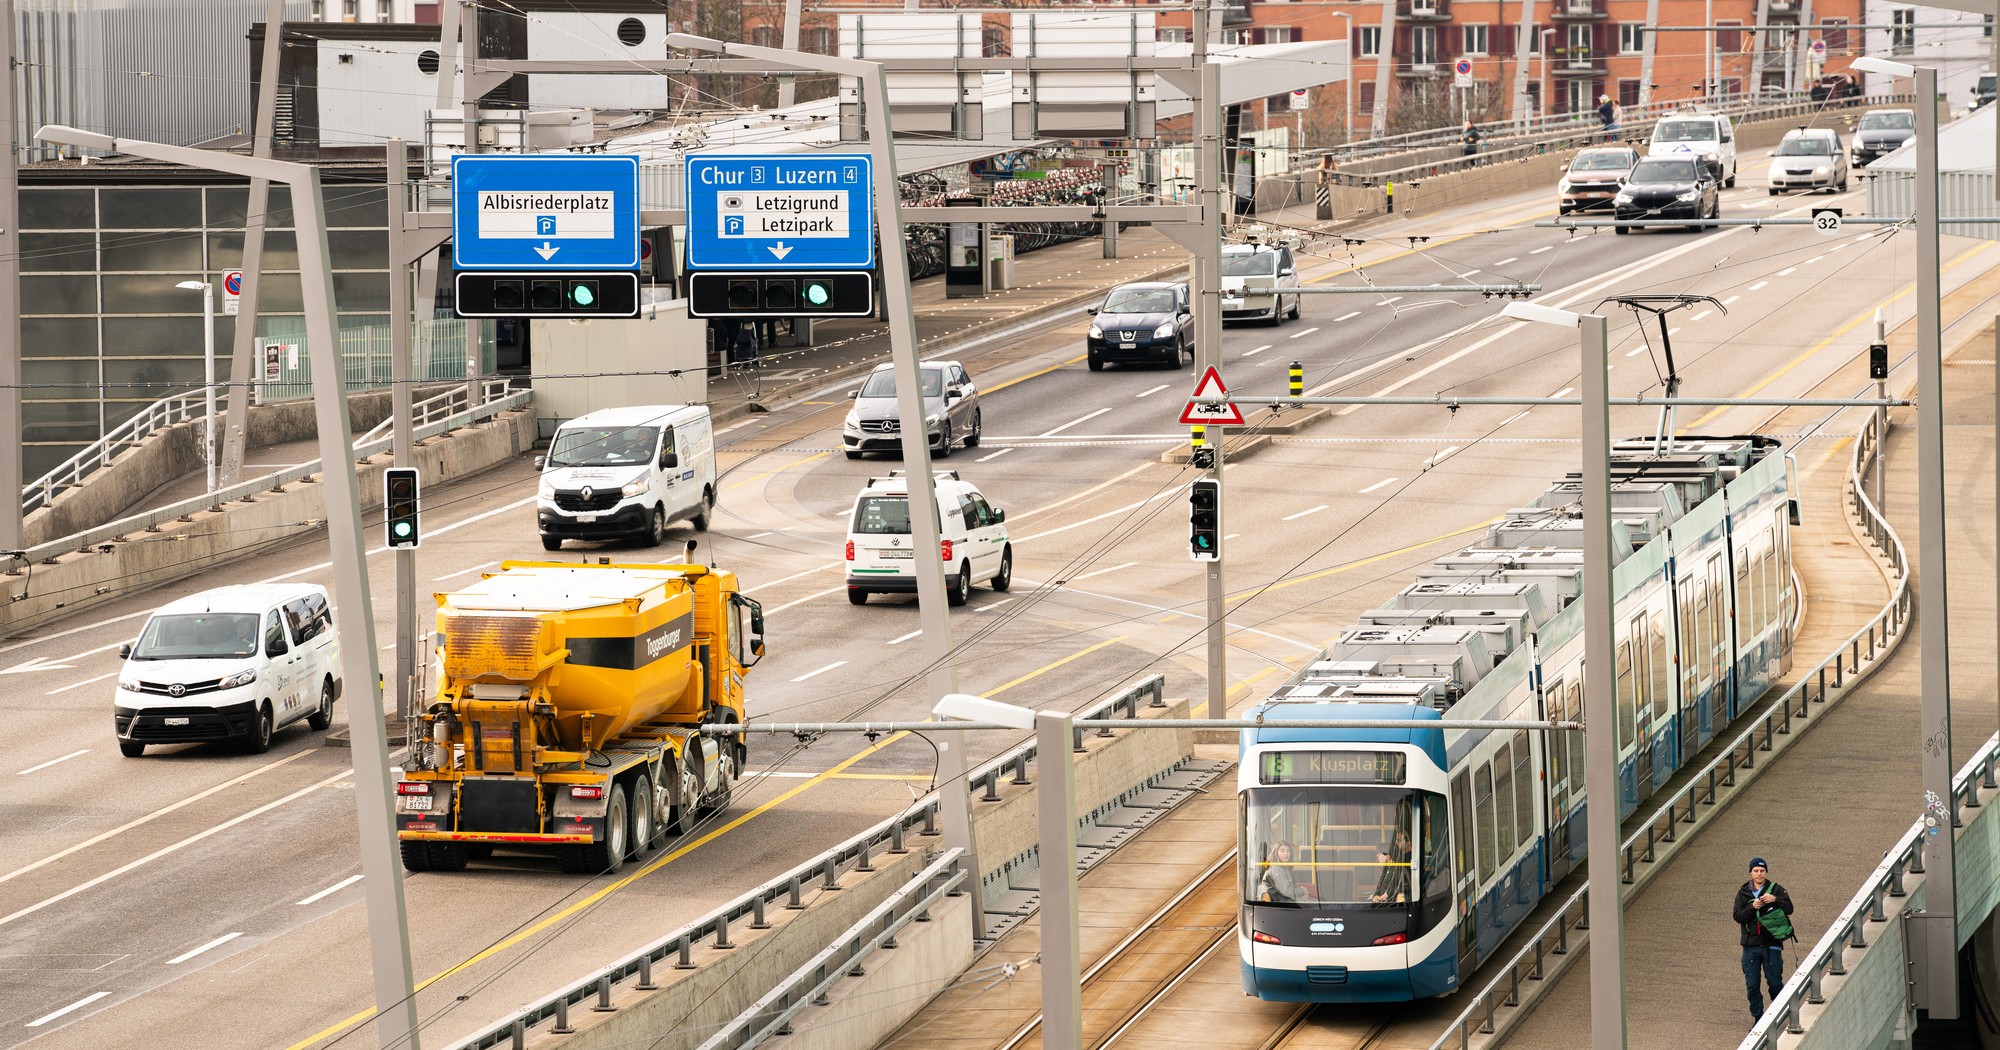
<point>843,293</point>
<point>399,502</point>
<point>1205,520</point>
<point>612,293</point>
<point>1878,361</point>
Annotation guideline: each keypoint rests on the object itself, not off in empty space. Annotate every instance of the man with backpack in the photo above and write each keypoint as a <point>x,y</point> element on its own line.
<point>1764,913</point>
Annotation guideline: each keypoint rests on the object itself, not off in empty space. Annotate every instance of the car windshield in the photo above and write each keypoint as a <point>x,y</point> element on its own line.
<point>1140,301</point>
<point>603,446</point>
<point>883,383</point>
<point>1685,131</point>
<point>1804,147</point>
<point>1986,83</point>
<point>1602,162</point>
<point>1889,122</point>
<point>198,636</point>
<point>1249,264</point>
<point>1659,170</point>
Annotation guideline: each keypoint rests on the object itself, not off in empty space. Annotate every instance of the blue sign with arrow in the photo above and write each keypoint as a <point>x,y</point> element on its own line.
<point>545,212</point>
<point>780,212</point>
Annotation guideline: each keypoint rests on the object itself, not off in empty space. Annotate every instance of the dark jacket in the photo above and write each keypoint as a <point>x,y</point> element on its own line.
<point>1607,113</point>
<point>1753,933</point>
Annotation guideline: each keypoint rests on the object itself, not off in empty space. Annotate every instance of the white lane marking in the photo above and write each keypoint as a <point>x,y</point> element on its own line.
<point>78,1005</point>
<point>51,762</point>
<point>758,536</point>
<point>1673,331</point>
<point>39,663</point>
<point>1505,261</point>
<point>79,685</point>
<point>1155,390</point>
<point>1127,509</point>
<point>821,671</point>
<point>1635,351</point>
<point>1390,301</point>
<point>192,952</point>
<point>1377,485</point>
<point>1232,536</point>
<point>175,847</point>
<point>1303,513</point>
<point>1512,418</point>
<point>1259,350</point>
<point>1307,332</point>
<point>904,638</point>
<point>1758,285</point>
<point>1788,271</point>
<point>785,579</point>
<point>1701,315</point>
<point>331,890</point>
<point>1731,299</point>
<point>468,572</point>
<point>1234,627</point>
<point>1813,260</point>
<point>1345,316</point>
<point>1564,392</point>
<point>1081,419</point>
<point>1449,449</point>
<point>1541,249</point>
<point>993,455</point>
<point>991,605</point>
<point>1100,572</point>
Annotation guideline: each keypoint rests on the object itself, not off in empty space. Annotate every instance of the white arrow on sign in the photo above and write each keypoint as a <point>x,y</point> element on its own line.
<point>39,663</point>
<point>546,252</point>
<point>780,250</point>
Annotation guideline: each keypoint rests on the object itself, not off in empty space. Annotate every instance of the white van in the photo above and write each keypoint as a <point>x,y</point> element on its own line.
<point>1703,135</point>
<point>621,472</point>
<point>882,556</point>
<point>1255,278</point>
<point>234,663</point>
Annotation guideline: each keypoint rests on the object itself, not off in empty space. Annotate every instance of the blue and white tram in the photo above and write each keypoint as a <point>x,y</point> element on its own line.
<point>1387,865</point>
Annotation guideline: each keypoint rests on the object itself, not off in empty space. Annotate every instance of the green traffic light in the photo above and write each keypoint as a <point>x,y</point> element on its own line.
<point>582,294</point>
<point>818,293</point>
<point>402,528</point>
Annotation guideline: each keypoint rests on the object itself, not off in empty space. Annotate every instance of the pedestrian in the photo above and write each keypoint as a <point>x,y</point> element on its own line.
<point>1764,912</point>
<point>744,350</point>
<point>1471,139</point>
<point>1607,111</point>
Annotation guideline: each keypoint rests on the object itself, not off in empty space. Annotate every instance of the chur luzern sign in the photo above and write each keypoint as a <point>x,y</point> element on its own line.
<point>780,212</point>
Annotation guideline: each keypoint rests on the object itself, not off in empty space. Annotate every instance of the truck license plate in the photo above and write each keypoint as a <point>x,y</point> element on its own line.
<point>417,803</point>
<point>175,721</point>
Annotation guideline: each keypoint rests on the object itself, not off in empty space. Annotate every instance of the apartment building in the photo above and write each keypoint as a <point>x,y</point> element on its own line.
<point>1959,45</point>
<point>421,12</point>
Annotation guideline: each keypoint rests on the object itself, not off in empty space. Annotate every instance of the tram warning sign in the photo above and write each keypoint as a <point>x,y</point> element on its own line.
<point>1210,405</point>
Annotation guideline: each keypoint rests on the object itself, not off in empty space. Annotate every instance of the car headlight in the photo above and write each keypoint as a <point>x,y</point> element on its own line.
<point>1096,332</point>
<point>239,678</point>
<point>1562,185</point>
<point>546,490</point>
<point>130,685</point>
<point>1165,331</point>
<point>853,424</point>
<point>633,488</point>
<point>1622,198</point>
<point>930,421</point>
<point>1822,169</point>
<point>1688,196</point>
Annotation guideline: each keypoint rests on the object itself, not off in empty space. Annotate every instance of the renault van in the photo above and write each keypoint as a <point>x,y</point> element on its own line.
<point>627,472</point>
<point>231,664</point>
<point>882,555</point>
<point>1703,136</point>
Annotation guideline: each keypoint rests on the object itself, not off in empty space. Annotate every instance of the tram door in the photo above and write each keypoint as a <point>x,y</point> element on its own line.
<point>1720,644</point>
<point>1632,702</point>
<point>1687,616</point>
<point>1466,872</point>
<point>1781,568</point>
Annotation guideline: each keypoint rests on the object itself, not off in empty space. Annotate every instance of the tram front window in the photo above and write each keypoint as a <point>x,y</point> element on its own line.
<point>1333,845</point>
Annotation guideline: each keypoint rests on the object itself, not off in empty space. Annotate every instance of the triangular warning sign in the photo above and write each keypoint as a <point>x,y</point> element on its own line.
<point>1210,405</point>
<point>1211,378</point>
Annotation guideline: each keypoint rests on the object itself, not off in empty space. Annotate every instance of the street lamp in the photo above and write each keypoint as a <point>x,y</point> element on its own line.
<point>1347,93</point>
<point>1544,35</point>
<point>1600,705</point>
<point>207,291</point>
<point>1055,823</point>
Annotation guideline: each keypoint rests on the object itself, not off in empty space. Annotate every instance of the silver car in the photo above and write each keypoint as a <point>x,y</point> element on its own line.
<point>951,411</point>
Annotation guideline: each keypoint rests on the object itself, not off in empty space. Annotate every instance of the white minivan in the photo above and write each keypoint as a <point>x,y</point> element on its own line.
<point>1704,136</point>
<point>627,472</point>
<point>882,555</point>
<point>234,663</point>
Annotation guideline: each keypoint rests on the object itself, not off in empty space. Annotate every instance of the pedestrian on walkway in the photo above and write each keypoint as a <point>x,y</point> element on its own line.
<point>1607,111</point>
<point>1471,138</point>
<point>1764,913</point>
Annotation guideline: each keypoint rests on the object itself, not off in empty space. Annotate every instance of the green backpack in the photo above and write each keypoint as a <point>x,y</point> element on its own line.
<point>1776,922</point>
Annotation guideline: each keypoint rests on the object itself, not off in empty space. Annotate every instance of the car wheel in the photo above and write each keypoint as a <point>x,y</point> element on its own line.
<point>857,596</point>
<point>1622,230</point>
<point>322,716</point>
<point>260,734</point>
<point>1843,184</point>
<point>1774,191</point>
<point>131,748</point>
<point>656,530</point>
<point>1005,577</point>
<point>1277,312</point>
<point>707,504</point>
<point>960,587</point>
<point>1185,354</point>
<point>1095,364</point>
<point>972,436</point>
<point>1730,182</point>
<point>1298,302</point>
<point>944,442</point>
<point>551,543</point>
<point>851,454</point>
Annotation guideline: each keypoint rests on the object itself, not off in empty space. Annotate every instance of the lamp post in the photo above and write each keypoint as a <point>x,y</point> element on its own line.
<point>1347,74</point>
<point>207,374</point>
<point>1544,35</point>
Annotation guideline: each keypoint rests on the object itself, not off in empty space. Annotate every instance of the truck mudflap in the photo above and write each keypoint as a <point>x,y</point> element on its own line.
<point>582,838</point>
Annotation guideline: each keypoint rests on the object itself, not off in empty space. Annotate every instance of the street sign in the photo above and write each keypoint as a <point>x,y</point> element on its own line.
<point>780,213</point>
<point>232,292</point>
<point>544,212</point>
<point>1461,73</point>
<point>1819,49</point>
<point>1826,220</point>
<point>1301,100</point>
<point>1210,405</point>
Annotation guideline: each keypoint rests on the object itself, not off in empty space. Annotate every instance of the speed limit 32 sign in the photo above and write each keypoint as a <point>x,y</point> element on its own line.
<point>1826,220</point>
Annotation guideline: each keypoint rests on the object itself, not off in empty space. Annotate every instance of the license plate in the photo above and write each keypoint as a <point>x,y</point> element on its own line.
<point>175,721</point>
<point>586,518</point>
<point>417,803</point>
<point>1128,346</point>
<point>898,554</point>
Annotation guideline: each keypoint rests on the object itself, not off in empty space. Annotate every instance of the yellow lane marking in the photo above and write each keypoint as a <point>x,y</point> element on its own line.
<point>1398,552</point>
<point>1244,685</point>
<point>788,466</point>
<point>1865,315</point>
<point>1031,375</point>
<point>918,777</point>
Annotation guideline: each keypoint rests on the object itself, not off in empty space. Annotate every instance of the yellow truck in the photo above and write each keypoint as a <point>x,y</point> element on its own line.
<point>563,716</point>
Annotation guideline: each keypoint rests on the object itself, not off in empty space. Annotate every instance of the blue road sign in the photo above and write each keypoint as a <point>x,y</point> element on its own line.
<point>780,213</point>
<point>544,212</point>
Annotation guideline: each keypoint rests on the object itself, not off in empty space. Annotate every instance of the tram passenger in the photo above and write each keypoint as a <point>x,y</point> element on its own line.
<point>1394,885</point>
<point>1281,883</point>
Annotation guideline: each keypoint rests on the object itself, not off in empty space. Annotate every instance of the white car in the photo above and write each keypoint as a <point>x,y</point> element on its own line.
<point>234,663</point>
<point>1705,136</point>
<point>1254,280</point>
<point>1809,159</point>
<point>621,472</point>
<point>881,554</point>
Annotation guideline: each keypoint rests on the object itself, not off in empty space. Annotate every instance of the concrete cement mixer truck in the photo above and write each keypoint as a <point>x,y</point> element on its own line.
<point>563,713</point>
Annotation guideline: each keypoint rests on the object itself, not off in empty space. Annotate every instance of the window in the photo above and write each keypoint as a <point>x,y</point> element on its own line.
<point>1631,38</point>
<point>1628,91</point>
<point>1482,804</point>
<point>1366,98</point>
<point>383,12</point>
<point>1728,40</point>
<point>1575,739</point>
<point>1423,46</point>
<point>1625,692</point>
<point>1578,45</point>
<point>1368,41</point>
<point>350,10</point>
<point>1903,31</point>
<point>1718,612</point>
<point>1836,39</point>
<point>993,40</point>
<point>1281,34</point>
<point>1986,26</point>
<point>818,41</point>
<point>1503,799</point>
<point>1534,44</point>
<point>1165,34</point>
<point>1524,789</point>
<point>764,36</point>
<point>1662,670</point>
<point>274,636</point>
<point>319,10</point>
<point>1475,40</point>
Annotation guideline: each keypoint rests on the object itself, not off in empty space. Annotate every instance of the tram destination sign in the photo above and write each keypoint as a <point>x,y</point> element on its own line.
<point>1331,767</point>
<point>780,212</point>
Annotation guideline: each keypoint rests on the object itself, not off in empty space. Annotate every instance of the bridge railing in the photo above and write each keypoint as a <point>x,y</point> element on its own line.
<point>1701,799</point>
<point>172,410</point>
<point>442,407</point>
<point>787,891</point>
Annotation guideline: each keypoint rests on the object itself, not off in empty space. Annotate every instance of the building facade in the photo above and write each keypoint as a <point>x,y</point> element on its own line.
<point>1957,44</point>
<point>421,12</point>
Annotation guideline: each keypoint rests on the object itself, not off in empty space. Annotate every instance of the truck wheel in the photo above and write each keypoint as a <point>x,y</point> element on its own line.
<point>322,717</point>
<point>642,817</point>
<point>607,855</point>
<point>434,856</point>
<point>681,817</point>
<point>719,802</point>
<point>131,748</point>
<point>960,586</point>
<point>259,740</point>
<point>656,528</point>
<point>551,543</point>
<point>416,857</point>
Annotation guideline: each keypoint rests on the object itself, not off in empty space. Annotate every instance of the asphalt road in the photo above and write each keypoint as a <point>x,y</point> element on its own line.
<point>203,898</point>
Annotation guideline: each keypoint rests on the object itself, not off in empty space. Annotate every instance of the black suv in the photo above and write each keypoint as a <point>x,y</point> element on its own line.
<point>1145,323</point>
<point>1669,188</point>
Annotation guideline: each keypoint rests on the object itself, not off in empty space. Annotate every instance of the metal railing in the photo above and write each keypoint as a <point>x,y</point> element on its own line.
<point>786,891</point>
<point>1701,799</point>
<point>172,410</point>
<point>442,407</point>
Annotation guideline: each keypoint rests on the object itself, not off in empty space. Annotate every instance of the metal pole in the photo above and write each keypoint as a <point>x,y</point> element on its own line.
<point>1600,699</point>
<point>787,86</point>
<point>1207,283</point>
<point>469,52</point>
<point>1882,419</point>
<point>1107,180</point>
<point>1055,818</point>
<point>208,381</point>
<point>402,445</point>
<point>243,342</point>
<point>1937,963</point>
<point>10,295</point>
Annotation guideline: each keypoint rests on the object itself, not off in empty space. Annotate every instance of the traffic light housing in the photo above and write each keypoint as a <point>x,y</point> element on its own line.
<point>613,293</point>
<point>400,497</point>
<point>1878,360</point>
<point>1205,520</point>
<point>837,293</point>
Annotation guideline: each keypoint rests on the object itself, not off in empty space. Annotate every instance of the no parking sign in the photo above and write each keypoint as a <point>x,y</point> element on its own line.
<point>1461,73</point>
<point>232,292</point>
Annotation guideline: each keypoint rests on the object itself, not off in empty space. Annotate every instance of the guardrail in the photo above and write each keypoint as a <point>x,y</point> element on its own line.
<point>1698,802</point>
<point>151,520</point>
<point>443,406</point>
<point>786,891</point>
<point>172,410</point>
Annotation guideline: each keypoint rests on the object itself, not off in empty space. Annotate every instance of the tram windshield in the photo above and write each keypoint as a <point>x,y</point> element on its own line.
<point>1339,845</point>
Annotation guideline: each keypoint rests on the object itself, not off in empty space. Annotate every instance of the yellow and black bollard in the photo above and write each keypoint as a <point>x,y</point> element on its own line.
<point>1298,379</point>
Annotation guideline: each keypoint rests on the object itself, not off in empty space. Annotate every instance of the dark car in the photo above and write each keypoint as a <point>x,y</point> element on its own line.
<point>1146,323</point>
<point>1882,132</point>
<point>1983,92</point>
<point>1593,177</point>
<point>1669,188</point>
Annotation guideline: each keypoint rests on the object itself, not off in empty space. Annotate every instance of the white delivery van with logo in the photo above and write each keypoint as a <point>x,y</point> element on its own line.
<point>627,472</point>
